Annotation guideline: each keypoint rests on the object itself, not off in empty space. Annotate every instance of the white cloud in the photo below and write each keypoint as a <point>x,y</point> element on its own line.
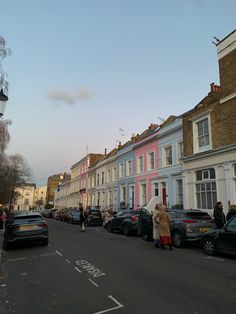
<point>69,97</point>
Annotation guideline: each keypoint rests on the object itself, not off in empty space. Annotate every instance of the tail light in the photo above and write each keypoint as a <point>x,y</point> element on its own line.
<point>134,218</point>
<point>43,224</point>
<point>190,221</point>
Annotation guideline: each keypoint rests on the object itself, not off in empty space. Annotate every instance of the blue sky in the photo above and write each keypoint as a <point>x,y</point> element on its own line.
<point>81,70</point>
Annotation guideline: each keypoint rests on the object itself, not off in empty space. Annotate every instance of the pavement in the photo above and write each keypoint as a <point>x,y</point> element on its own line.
<point>1,246</point>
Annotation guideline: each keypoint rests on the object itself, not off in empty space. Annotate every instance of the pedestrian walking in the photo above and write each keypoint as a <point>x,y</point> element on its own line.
<point>4,219</point>
<point>82,218</point>
<point>219,215</point>
<point>164,227</point>
<point>156,222</point>
<point>231,212</point>
<point>106,217</point>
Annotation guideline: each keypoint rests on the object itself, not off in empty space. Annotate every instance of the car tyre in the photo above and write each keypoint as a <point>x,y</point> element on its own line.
<point>109,228</point>
<point>45,242</point>
<point>178,240</point>
<point>209,246</point>
<point>125,230</point>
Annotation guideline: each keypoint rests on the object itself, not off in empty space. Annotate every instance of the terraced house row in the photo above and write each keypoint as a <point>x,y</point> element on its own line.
<point>188,161</point>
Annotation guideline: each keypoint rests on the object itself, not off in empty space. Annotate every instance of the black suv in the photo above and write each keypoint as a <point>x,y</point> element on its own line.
<point>125,221</point>
<point>186,225</point>
<point>94,217</point>
<point>24,226</point>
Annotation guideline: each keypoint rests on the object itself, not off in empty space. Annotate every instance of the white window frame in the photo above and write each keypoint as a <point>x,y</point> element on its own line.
<point>121,169</point>
<point>149,160</point>
<point>129,169</point>
<point>196,148</point>
<point>139,170</point>
<point>165,155</point>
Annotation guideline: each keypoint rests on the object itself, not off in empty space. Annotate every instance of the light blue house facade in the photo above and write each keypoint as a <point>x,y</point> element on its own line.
<point>169,182</point>
<point>125,176</point>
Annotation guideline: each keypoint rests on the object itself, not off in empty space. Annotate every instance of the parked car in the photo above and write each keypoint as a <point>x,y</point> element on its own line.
<point>74,217</point>
<point>94,217</point>
<point>125,221</point>
<point>186,225</point>
<point>24,226</point>
<point>221,240</point>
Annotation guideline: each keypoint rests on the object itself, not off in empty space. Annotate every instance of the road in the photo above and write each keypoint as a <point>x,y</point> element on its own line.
<point>99,272</point>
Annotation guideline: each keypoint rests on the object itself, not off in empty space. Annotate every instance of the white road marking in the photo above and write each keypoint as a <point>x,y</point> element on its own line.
<point>58,253</point>
<point>91,269</point>
<point>216,258</point>
<point>16,259</point>
<point>94,283</point>
<point>47,254</point>
<point>3,285</point>
<point>119,305</point>
<point>68,261</point>
<point>78,269</point>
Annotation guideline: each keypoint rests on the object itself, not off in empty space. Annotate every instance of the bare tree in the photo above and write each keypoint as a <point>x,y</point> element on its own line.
<point>15,173</point>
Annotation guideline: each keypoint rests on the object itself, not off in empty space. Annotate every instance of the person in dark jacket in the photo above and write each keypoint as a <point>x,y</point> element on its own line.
<point>82,217</point>
<point>231,212</point>
<point>219,215</point>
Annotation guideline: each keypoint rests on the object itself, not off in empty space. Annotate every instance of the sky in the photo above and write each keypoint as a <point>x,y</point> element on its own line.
<point>85,74</point>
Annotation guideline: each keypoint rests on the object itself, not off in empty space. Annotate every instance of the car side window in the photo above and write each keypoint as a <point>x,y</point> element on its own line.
<point>232,225</point>
<point>145,214</point>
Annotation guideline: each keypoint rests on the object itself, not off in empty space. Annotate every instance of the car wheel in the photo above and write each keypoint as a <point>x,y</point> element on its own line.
<point>109,228</point>
<point>45,242</point>
<point>209,246</point>
<point>125,230</point>
<point>178,240</point>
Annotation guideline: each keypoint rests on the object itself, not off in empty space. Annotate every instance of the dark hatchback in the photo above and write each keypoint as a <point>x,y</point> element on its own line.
<point>94,218</point>
<point>221,240</point>
<point>186,225</point>
<point>124,221</point>
<point>74,217</point>
<point>25,226</point>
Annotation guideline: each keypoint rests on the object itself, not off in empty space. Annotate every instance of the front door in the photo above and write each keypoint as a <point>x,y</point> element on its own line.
<point>164,193</point>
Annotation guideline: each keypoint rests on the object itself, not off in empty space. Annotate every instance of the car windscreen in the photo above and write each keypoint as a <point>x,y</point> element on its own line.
<point>198,215</point>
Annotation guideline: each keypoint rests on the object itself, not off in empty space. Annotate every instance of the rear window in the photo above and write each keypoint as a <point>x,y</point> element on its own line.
<point>28,218</point>
<point>198,216</point>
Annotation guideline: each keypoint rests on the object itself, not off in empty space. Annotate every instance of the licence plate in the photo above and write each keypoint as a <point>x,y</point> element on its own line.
<point>27,228</point>
<point>203,229</point>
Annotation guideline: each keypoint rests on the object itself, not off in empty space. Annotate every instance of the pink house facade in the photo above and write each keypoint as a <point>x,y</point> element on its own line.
<point>146,166</point>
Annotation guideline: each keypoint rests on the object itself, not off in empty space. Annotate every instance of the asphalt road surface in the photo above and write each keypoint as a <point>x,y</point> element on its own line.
<point>98,272</point>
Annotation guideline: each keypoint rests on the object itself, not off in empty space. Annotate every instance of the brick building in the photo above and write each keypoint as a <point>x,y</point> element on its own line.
<point>209,135</point>
<point>52,184</point>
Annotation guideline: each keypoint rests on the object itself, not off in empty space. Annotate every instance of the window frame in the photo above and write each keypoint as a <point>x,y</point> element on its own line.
<point>196,147</point>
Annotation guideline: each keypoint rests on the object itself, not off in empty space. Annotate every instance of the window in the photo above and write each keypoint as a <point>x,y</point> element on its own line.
<point>168,156</point>
<point>179,191</point>
<point>151,164</point>
<point>121,170</point>
<point>156,189</point>
<point>93,180</point>
<point>140,164</point>
<point>180,150</point>
<point>129,168</point>
<point>143,194</point>
<point>123,194</point>
<point>103,178</point>
<point>114,174</point>
<point>206,188</point>
<point>235,170</point>
<point>202,134</point>
<point>98,179</point>
<point>232,225</point>
<point>109,175</point>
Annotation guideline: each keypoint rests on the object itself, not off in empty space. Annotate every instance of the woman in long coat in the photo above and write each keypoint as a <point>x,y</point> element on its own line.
<point>164,227</point>
<point>155,220</point>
